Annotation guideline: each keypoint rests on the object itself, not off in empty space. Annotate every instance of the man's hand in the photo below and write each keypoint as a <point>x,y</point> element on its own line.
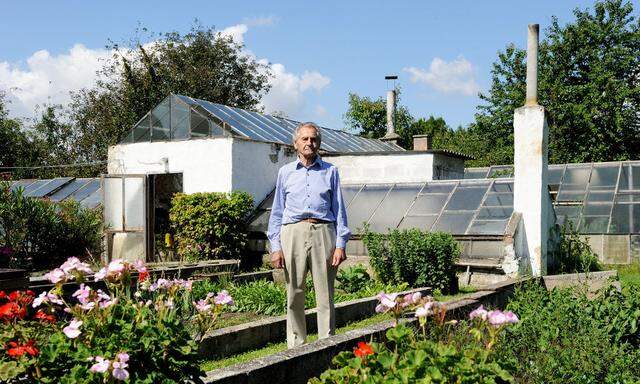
<point>339,255</point>
<point>277,259</point>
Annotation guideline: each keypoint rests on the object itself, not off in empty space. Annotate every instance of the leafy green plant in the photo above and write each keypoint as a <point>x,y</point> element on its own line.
<point>39,234</point>
<point>259,296</point>
<point>573,253</point>
<point>210,225</point>
<point>353,278</point>
<point>415,257</point>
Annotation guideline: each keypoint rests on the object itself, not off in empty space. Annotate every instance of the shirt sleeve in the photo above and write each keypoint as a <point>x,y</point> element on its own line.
<point>339,211</point>
<point>275,220</point>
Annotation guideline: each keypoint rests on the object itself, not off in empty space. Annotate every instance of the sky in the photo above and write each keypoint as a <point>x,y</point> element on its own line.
<point>442,51</point>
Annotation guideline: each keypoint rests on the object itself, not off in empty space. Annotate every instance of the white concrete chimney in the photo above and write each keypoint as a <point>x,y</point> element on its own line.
<point>531,194</point>
<point>391,135</point>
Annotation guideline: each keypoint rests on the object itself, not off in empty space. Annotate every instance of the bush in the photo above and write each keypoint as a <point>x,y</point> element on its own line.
<point>210,225</point>
<point>417,258</point>
<point>353,278</point>
<point>573,254</point>
<point>564,336</point>
<point>39,234</point>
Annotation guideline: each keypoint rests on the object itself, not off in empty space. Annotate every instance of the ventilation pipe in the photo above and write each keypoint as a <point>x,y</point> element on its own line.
<point>391,135</point>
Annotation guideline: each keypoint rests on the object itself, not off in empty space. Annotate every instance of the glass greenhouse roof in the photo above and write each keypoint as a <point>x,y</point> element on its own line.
<point>180,117</point>
<point>86,191</point>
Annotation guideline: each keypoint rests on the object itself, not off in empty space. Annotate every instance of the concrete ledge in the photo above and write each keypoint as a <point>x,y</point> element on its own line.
<point>239,338</point>
<point>298,365</point>
<point>594,280</point>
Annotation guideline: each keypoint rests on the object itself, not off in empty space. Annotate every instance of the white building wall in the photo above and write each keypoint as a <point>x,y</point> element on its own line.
<point>255,166</point>
<point>404,168</point>
<point>206,164</point>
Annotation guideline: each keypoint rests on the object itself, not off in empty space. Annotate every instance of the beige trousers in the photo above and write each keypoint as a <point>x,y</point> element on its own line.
<point>308,246</point>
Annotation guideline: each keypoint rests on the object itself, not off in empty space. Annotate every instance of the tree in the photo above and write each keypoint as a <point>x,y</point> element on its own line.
<point>201,64</point>
<point>589,75</point>
<point>368,118</point>
<point>16,147</point>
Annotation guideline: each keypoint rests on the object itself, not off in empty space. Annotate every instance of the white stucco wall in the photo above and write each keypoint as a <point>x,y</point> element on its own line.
<point>255,166</point>
<point>205,164</point>
<point>405,168</point>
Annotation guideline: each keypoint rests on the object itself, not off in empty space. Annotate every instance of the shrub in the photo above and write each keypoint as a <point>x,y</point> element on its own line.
<point>39,234</point>
<point>353,278</point>
<point>414,257</point>
<point>210,225</point>
<point>573,254</point>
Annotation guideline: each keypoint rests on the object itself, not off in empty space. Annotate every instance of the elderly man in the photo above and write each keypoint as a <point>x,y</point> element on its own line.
<point>308,230</point>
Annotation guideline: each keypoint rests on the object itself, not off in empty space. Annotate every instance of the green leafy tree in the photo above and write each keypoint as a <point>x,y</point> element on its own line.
<point>589,73</point>
<point>201,64</point>
<point>368,117</point>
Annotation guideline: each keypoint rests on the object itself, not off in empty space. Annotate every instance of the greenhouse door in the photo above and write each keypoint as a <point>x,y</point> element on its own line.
<point>125,216</point>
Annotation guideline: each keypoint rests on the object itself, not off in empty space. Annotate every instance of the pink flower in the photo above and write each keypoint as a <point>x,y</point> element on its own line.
<point>511,317</point>
<point>46,297</point>
<point>387,302</point>
<point>479,312</point>
<point>202,305</point>
<point>423,310</point>
<point>223,298</point>
<point>55,276</point>
<point>72,330</point>
<point>416,297</point>
<point>100,275</point>
<point>74,264</point>
<point>496,318</point>
<point>82,294</point>
<point>119,371</point>
<point>101,366</point>
<point>115,267</point>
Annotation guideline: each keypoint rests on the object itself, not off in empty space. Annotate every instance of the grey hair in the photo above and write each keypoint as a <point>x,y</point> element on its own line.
<point>307,124</point>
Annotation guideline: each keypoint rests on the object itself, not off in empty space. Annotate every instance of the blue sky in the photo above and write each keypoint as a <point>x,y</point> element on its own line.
<point>321,51</point>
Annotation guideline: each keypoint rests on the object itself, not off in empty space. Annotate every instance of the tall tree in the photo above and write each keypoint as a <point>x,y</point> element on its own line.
<point>367,117</point>
<point>589,83</point>
<point>201,64</point>
<point>16,147</point>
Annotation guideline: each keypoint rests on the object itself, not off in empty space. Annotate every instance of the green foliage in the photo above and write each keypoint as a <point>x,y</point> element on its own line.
<point>39,234</point>
<point>588,83</point>
<point>564,336</point>
<point>573,253</point>
<point>210,225</point>
<point>415,257</point>
<point>353,278</point>
<point>411,358</point>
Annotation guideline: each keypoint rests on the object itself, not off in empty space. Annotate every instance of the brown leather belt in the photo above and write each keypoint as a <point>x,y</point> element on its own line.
<point>315,221</point>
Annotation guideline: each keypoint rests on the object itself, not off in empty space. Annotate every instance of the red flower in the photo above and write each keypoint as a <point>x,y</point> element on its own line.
<point>10,310</point>
<point>14,295</point>
<point>3,295</point>
<point>41,315</point>
<point>363,349</point>
<point>16,350</point>
<point>142,276</point>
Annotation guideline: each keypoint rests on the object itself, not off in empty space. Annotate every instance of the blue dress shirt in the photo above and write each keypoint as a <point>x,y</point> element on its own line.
<point>312,192</point>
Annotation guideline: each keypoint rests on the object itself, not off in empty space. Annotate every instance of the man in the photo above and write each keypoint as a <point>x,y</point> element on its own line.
<point>308,230</point>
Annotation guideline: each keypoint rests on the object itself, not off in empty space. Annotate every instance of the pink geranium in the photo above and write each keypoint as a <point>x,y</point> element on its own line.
<point>223,298</point>
<point>73,329</point>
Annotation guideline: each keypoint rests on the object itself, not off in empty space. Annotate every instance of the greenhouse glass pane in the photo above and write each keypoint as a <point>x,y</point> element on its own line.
<point>134,203</point>
<point>573,187</point>
<point>437,188</point>
<point>568,213</point>
<point>597,210</point>
<point>495,213</point>
<point>594,224</point>
<point>421,222</point>
<point>268,201</point>
<point>604,176</point>
<point>160,121</point>
<point>630,177</point>
<point>199,125</point>
<point>505,171</point>
<point>429,204</point>
<point>349,192</point>
<point>480,227</point>
<point>555,174</point>
<point>179,121</point>
<point>466,198</point>
<point>113,203</point>
<point>34,186</point>
<point>570,196</point>
<point>453,222</point>
<point>502,187</point>
<point>142,131</point>
<point>394,206</point>
<point>22,184</point>
<point>93,200</point>
<point>625,218</point>
<point>605,196</point>
<point>50,187</point>
<point>477,173</point>
<point>498,200</point>
<point>364,204</point>
<point>577,175</point>
<point>85,191</point>
<point>628,198</point>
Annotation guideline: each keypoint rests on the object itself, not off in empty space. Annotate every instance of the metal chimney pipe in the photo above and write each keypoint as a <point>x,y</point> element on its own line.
<point>532,65</point>
<point>391,113</point>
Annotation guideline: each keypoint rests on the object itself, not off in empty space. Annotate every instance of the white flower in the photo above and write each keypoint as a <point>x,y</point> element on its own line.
<point>101,365</point>
<point>72,330</point>
<point>55,276</point>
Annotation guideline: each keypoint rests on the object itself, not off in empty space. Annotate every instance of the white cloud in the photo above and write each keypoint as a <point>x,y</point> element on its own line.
<point>262,21</point>
<point>48,78</point>
<point>456,76</point>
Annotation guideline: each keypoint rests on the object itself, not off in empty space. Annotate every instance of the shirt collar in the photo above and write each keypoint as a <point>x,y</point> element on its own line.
<point>316,161</point>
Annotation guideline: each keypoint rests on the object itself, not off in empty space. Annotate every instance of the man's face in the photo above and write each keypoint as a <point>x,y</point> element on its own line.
<point>307,143</point>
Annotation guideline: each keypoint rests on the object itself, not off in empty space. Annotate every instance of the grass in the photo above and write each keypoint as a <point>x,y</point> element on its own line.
<point>270,349</point>
<point>229,319</point>
<point>463,290</point>
<point>627,273</point>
